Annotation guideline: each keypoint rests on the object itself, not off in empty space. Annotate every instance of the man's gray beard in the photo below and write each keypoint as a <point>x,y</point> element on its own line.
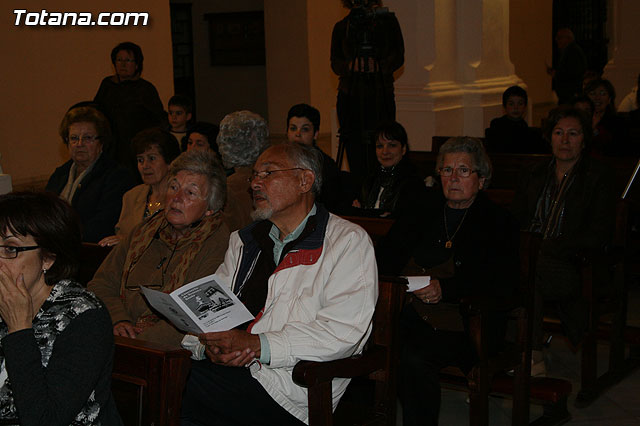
<point>262,214</point>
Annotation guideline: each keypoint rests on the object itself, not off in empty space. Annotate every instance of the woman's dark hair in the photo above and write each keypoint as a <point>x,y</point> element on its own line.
<point>393,131</point>
<point>51,222</point>
<point>601,82</point>
<point>514,91</point>
<point>167,144</point>
<point>566,111</point>
<point>86,114</point>
<point>132,48</point>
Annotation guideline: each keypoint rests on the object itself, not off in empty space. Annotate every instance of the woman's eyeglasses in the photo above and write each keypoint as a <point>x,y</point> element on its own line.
<point>11,252</point>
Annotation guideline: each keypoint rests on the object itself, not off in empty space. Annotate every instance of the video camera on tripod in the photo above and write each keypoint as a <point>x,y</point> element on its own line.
<point>362,21</point>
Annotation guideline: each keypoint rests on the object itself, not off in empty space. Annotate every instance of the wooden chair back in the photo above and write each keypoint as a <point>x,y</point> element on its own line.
<point>147,382</point>
<point>379,362</point>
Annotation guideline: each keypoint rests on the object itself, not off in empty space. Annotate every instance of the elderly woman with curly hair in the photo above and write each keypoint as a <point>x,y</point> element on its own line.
<point>184,242</point>
<point>469,247</point>
<point>242,138</point>
<point>90,181</point>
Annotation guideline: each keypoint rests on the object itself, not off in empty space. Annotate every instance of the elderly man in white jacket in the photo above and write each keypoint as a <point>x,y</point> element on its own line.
<point>310,279</point>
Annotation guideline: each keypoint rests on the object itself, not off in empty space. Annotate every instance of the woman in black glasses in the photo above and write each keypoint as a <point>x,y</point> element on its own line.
<point>181,243</point>
<point>469,247</point>
<point>56,346</point>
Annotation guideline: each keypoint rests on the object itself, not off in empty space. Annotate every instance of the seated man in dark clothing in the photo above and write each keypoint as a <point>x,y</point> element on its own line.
<point>511,133</point>
<point>303,126</point>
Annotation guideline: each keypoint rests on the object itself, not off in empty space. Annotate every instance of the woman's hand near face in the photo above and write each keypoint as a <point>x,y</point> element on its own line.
<point>16,305</point>
<point>431,293</point>
<point>126,329</point>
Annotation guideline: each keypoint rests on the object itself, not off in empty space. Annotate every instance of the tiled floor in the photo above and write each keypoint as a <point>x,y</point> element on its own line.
<point>619,406</point>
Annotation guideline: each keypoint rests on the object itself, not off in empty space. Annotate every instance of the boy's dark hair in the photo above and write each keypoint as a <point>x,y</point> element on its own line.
<point>206,129</point>
<point>306,111</point>
<point>132,48</point>
<point>181,101</point>
<point>167,144</point>
<point>514,91</point>
<point>394,131</point>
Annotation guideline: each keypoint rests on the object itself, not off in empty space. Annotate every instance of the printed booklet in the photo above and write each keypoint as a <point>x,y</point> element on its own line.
<point>201,306</point>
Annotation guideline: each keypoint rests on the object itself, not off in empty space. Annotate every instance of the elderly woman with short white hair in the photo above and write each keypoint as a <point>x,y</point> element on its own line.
<point>242,138</point>
<point>469,247</point>
<point>184,242</point>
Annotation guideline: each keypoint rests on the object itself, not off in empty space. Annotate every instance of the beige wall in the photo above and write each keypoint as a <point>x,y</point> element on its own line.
<point>224,89</point>
<point>47,69</point>
<point>530,46</point>
<point>298,40</point>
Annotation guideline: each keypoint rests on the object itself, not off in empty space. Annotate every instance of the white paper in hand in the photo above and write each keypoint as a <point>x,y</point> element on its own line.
<point>416,283</point>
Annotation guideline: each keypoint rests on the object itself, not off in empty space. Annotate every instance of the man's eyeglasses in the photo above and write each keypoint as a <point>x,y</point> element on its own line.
<point>264,174</point>
<point>463,172</point>
<point>11,252</point>
<point>74,140</point>
<point>125,61</point>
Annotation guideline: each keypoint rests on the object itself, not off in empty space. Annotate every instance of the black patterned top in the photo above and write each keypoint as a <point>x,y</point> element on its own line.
<point>59,371</point>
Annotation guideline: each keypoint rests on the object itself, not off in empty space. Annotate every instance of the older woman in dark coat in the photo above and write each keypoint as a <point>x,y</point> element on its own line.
<point>90,181</point>
<point>571,202</point>
<point>469,247</point>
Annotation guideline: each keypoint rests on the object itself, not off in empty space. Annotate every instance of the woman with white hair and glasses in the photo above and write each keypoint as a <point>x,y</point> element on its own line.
<point>469,247</point>
<point>184,242</point>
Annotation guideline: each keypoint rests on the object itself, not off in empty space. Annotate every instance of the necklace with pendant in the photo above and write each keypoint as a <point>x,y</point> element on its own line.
<point>449,242</point>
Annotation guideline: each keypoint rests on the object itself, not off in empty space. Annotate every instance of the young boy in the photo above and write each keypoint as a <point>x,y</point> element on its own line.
<point>179,116</point>
<point>303,126</point>
<point>511,133</point>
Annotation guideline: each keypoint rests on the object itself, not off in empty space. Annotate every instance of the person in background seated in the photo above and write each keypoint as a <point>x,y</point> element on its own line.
<point>202,136</point>
<point>311,280</point>
<point>584,103</point>
<point>90,181</point>
<point>394,184</point>
<point>183,243</point>
<point>511,133</point>
<point>155,149</point>
<point>303,126</point>
<point>571,202</point>
<point>179,114</point>
<point>610,135</point>
<point>130,102</point>
<point>242,138</point>
<point>469,247</point>
<point>56,343</point>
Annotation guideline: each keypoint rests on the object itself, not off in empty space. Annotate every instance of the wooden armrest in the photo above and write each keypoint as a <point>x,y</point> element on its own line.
<point>311,373</point>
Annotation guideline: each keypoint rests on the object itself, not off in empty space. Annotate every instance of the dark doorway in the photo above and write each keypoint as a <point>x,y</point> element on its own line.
<point>182,40</point>
<point>588,21</point>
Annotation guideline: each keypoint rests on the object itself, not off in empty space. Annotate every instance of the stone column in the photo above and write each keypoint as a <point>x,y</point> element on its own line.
<point>456,66</point>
